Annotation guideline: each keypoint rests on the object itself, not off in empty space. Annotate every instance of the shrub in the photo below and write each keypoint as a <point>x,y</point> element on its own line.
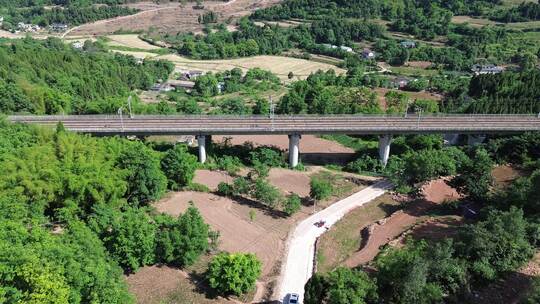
<point>181,241</point>
<point>320,189</point>
<point>197,187</point>
<point>241,186</point>
<point>270,157</point>
<point>292,204</point>
<point>229,164</point>
<point>342,285</point>
<point>225,189</point>
<point>234,273</point>
<point>266,193</point>
<point>365,163</point>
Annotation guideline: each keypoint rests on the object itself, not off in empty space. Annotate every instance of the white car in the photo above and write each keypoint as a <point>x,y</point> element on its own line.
<point>293,298</point>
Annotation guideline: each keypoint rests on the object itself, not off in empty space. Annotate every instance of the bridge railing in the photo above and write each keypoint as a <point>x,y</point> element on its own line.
<point>265,117</point>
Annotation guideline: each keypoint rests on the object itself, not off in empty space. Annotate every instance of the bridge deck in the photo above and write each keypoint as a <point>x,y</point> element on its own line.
<point>338,124</point>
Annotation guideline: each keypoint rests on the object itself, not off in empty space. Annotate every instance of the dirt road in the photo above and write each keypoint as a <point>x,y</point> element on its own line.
<point>298,265</point>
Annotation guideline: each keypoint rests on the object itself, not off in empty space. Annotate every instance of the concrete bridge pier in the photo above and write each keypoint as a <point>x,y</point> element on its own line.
<point>201,141</point>
<point>384,148</point>
<point>294,149</point>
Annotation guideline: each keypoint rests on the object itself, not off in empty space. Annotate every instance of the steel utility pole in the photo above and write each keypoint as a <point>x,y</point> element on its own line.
<point>121,119</point>
<point>129,107</point>
<point>271,113</point>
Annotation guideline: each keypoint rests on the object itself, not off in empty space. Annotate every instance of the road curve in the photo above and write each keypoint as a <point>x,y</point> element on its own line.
<point>298,265</point>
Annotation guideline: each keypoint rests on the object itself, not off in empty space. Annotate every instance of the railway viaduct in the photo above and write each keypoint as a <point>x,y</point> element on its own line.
<point>294,126</point>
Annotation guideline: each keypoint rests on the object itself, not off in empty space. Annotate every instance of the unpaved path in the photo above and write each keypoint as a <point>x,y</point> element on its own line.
<point>298,265</point>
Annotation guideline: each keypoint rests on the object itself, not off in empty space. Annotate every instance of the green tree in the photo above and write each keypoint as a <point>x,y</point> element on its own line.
<point>292,204</point>
<point>266,193</point>
<point>475,178</point>
<point>320,189</point>
<point>261,107</point>
<point>234,273</point>
<point>146,181</point>
<point>179,166</point>
<point>342,285</point>
<point>496,245</point>
<point>206,85</point>
<point>129,236</point>
<point>350,286</point>
<point>181,241</point>
<point>403,276</point>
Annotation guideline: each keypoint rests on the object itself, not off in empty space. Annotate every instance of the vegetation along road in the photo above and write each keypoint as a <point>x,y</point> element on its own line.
<point>298,266</point>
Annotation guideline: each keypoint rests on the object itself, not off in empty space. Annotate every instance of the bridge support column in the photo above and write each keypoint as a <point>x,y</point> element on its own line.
<point>294,149</point>
<point>201,141</point>
<point>384,148</point>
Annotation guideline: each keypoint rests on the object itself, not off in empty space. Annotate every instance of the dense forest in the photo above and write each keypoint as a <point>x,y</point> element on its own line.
<point>49,77</point>
<point>250,39</point>
<point>75,215</point>
<point>72,13</point>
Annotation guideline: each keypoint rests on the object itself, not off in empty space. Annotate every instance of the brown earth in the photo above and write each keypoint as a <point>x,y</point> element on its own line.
<point>432,230</point>
<point>504,175</point>
<point>264,237</point>
<point>170,17</point>
<point>312,148</point>
<point>211,179</point>
<point>153,282</point>
<point>265,234</point>
<point>164,284</point>
<point>419,64</point>
<point>381,92</point>
<point>382,232</point>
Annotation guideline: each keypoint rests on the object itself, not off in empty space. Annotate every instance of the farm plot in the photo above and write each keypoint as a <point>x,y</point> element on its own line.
<point>279,65</point>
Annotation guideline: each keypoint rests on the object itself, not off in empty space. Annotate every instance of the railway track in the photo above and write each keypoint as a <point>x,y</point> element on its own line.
<point>234,125</point>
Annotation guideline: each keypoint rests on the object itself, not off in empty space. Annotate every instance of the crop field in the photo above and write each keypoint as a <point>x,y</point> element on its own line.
<point>279,65</point>
<point>130,41</point>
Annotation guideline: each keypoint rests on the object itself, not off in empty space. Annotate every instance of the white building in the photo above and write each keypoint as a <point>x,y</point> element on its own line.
<point>78,45</point>
<point>27,27</point>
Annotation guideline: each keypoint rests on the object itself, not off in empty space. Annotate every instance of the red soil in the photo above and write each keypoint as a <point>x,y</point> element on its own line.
<point>435,192</point>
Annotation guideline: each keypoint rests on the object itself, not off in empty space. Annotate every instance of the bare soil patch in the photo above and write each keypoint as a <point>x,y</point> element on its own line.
<point>382,232</point>
<point>211,179</point>
<point>419,64</point>
<point>171,17</point>
<point>264,236</point>
<point>164,284</point>
<point>432,230</point>
<point>504,175</point>
<point>344,238</point>
<point>266,232</point>
<point>152,283</point>
<point>290,181</point>
<point>312,148</point>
